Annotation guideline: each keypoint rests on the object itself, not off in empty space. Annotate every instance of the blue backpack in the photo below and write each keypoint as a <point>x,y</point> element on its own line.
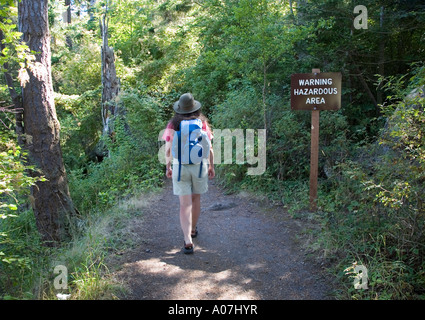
<point>191,144</point>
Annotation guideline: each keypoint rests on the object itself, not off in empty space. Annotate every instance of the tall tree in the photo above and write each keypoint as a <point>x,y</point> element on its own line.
<point>51,201</point>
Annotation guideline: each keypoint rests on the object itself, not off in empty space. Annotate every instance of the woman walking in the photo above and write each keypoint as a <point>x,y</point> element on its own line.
<point>188,145</point>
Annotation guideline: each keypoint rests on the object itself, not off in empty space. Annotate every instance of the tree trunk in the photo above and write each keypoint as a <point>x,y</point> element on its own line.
<point>67,16</point>
<point>51,201</point>
<point>110,82</point>
<point>68,11</point>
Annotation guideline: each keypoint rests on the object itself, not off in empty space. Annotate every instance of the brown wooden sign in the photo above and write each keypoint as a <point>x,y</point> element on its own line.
<point>316,91</point>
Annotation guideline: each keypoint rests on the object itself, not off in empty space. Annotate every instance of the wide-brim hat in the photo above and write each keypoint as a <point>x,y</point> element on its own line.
<point>186,104</point>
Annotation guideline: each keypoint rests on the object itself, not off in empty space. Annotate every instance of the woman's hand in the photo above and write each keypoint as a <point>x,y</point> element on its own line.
<point>211,172</point>
<point>169,173</point>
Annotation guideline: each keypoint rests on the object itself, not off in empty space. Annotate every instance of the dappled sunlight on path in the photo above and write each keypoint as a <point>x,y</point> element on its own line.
<point>199,284</point>
<point>243,251</point>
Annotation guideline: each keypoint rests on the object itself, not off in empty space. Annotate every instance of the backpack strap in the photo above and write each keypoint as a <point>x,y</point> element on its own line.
<point>200,169</point>
<point>179,156</point>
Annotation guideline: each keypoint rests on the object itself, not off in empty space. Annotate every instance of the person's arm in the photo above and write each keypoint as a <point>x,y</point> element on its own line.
<point>168,158</point>
<point>211,171</point>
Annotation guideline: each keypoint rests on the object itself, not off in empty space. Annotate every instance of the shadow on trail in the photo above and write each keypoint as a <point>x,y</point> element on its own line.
<point>243,251</point>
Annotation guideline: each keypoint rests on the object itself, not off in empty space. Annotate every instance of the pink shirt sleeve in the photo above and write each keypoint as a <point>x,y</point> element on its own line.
<point>168,133</point>
<point>207,128</point>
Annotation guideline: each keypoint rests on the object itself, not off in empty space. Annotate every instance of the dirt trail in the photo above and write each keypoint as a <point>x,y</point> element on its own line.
<point>245,250</point>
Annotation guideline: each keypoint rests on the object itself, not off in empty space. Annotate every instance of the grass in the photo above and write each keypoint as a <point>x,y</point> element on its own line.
<point>88,259</point>
<point>91,257</point>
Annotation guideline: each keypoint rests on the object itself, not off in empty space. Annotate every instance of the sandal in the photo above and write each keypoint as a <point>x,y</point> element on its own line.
<point>193,235</point>
<point>187,248</point>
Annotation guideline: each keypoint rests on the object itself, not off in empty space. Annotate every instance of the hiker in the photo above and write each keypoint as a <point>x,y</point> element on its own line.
<point>188,144</point>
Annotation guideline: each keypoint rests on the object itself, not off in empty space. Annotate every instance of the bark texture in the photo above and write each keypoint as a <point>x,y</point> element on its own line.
<point>51,201</point>
<point>110,86</point>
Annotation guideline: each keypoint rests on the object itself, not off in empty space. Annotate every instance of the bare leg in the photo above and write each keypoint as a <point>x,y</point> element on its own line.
<point>186,217</point>
<point>196,210</point>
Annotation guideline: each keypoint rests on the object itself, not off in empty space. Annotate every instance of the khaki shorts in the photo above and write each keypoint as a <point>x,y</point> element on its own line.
<point>190,182</point>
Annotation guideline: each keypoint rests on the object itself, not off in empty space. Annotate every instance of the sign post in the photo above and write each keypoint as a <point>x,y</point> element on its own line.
<point>314,159</point>
<point>315,92</point>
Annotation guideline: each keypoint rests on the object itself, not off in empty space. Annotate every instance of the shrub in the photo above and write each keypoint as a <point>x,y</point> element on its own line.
<point>20,245</point>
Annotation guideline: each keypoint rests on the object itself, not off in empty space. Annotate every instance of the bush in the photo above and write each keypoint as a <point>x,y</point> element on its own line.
<point>20,244</point>
<point>374,213</point>
<point>132,163</point>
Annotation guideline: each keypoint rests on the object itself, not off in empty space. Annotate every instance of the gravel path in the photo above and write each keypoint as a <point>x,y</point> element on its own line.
<point>245,249</point>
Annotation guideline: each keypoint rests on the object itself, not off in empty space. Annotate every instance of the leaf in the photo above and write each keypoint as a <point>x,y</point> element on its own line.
<point>9,260</point>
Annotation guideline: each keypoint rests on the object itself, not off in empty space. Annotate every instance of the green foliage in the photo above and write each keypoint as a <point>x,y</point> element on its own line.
<point>14,51</point>
<point>236,57</point>
<point>245,42</point>
<point>18,232</point>
<point>132,164</point>
<point>239,109</point>
<point>75,70</point>
<point>103,184</point>
<point>81,126</point>
<point>144,117</point>
<point>380,224</point>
